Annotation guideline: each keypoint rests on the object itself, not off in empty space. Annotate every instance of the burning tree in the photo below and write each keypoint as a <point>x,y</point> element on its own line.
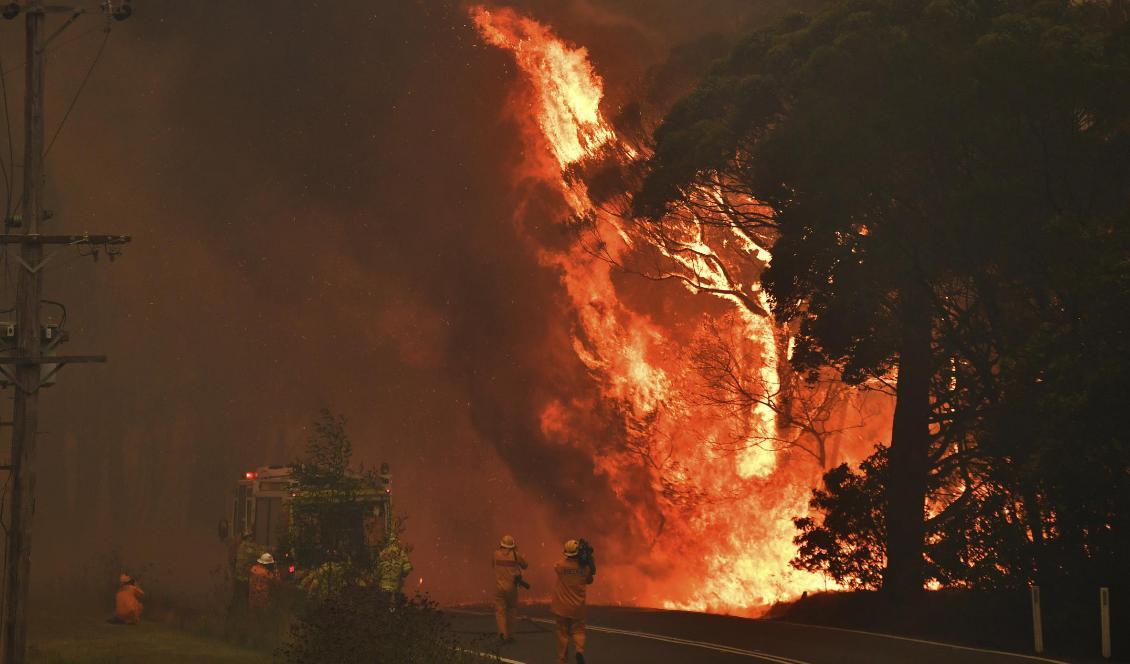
<point>915,159</point>
<point>811,411</point>
<point>684,470</point>
<point>905,179</point>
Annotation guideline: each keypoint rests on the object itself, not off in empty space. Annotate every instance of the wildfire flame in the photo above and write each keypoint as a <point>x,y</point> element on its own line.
<point>570,91</point>
<point>718,524</point>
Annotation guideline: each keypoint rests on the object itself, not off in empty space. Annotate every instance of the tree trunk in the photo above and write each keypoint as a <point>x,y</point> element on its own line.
<point>908,462</point>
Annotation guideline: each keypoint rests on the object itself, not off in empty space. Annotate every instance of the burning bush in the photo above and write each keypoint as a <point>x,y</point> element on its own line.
<point>974,535</point>
<point>366,625</point>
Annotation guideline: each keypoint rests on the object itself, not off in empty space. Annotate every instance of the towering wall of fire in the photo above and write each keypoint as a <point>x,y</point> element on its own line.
<point>710,487</point>
<point>366,209</point>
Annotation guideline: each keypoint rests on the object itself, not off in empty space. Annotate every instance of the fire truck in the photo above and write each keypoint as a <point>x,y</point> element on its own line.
<point>261,516</point>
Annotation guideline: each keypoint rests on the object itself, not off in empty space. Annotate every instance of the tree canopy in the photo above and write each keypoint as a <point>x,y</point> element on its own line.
<point>948,184</point>
<point>333,508</point>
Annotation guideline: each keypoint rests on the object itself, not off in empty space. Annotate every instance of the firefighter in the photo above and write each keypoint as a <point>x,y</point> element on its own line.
<point>260,582</point>
<point>243,557</point>
<point>568,604</point>
<point>327,579</point>
<point>127,602</point>
<point>508,566</point>
<point>394,566</point>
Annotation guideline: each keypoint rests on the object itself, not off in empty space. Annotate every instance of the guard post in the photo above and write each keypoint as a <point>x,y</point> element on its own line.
<point>1104,611</point>
<point>1037,620</point>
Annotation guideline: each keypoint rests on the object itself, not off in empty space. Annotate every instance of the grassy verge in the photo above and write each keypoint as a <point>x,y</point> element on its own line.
<point>91,640</point>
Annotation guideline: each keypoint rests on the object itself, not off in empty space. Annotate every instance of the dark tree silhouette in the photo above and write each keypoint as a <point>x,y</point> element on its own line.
<point>921,164</point>
<point>332,508</point>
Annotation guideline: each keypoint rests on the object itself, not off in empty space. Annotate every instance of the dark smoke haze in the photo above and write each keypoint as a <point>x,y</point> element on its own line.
<point>321,201</point>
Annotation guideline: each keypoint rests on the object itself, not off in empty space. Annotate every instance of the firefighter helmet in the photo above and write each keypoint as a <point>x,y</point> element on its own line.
<point>507,542</point>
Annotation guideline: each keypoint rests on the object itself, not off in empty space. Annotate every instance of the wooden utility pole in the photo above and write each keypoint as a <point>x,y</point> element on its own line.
<point>25,415</point>
<point>28,372</point>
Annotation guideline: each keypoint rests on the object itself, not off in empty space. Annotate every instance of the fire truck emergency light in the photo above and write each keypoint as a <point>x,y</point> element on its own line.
<point>249,475</point>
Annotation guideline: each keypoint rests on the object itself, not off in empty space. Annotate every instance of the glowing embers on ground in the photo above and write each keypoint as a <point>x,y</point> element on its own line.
<point>710,507</point>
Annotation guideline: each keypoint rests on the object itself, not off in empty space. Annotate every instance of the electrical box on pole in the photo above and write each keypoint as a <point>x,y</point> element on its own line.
<point>50,338</point>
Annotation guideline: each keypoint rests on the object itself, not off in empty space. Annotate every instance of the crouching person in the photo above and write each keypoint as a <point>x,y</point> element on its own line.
<point>127,601</point>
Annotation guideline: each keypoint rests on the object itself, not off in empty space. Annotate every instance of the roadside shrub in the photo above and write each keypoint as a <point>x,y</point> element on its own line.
<point>361,625</point>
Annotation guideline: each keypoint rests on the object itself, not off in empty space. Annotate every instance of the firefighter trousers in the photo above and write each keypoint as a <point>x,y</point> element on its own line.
<point>505,603</point>
<point>569,628</point>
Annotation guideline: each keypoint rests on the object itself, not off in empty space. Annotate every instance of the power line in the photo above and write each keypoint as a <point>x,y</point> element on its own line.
<point>120,14</point>
<point>52,49</point>
<point>74,100</point>
<point>9,171</point>
<point>81,87</point>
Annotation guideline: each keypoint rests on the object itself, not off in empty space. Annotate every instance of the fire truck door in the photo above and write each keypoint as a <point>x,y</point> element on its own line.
<point>268,521</point>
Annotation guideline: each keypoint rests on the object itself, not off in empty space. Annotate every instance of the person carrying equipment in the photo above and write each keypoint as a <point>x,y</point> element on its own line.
<point>568,605</point>
<point>508,566</point>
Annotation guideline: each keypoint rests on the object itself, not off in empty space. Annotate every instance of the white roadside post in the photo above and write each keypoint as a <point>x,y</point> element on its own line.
<point>1037,620</point>
<point>1104,608</point>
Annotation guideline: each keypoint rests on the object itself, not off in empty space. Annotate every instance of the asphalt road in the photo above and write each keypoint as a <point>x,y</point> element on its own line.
<point>626,636</point>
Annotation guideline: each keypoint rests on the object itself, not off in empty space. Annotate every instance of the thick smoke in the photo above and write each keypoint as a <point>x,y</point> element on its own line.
<point>322,204</point>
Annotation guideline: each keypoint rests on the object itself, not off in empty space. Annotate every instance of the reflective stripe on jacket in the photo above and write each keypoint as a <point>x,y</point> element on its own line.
<point>508,565</point>
<point>569,591</point>
<point>394,566</point>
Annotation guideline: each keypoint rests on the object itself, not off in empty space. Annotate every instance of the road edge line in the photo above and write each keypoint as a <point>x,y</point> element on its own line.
<point>1035,658</point>
<point>732,650</point>
<point>719,647</point>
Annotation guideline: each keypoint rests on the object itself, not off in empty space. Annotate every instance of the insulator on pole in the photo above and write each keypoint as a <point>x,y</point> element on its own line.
<point>124,11</point>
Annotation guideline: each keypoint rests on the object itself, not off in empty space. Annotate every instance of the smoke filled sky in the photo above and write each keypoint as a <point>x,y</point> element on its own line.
<point>321,196</point>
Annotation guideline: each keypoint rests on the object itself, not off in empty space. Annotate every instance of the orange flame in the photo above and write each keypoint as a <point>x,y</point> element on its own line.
<point>571,91</point>
<point>718,524</point>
